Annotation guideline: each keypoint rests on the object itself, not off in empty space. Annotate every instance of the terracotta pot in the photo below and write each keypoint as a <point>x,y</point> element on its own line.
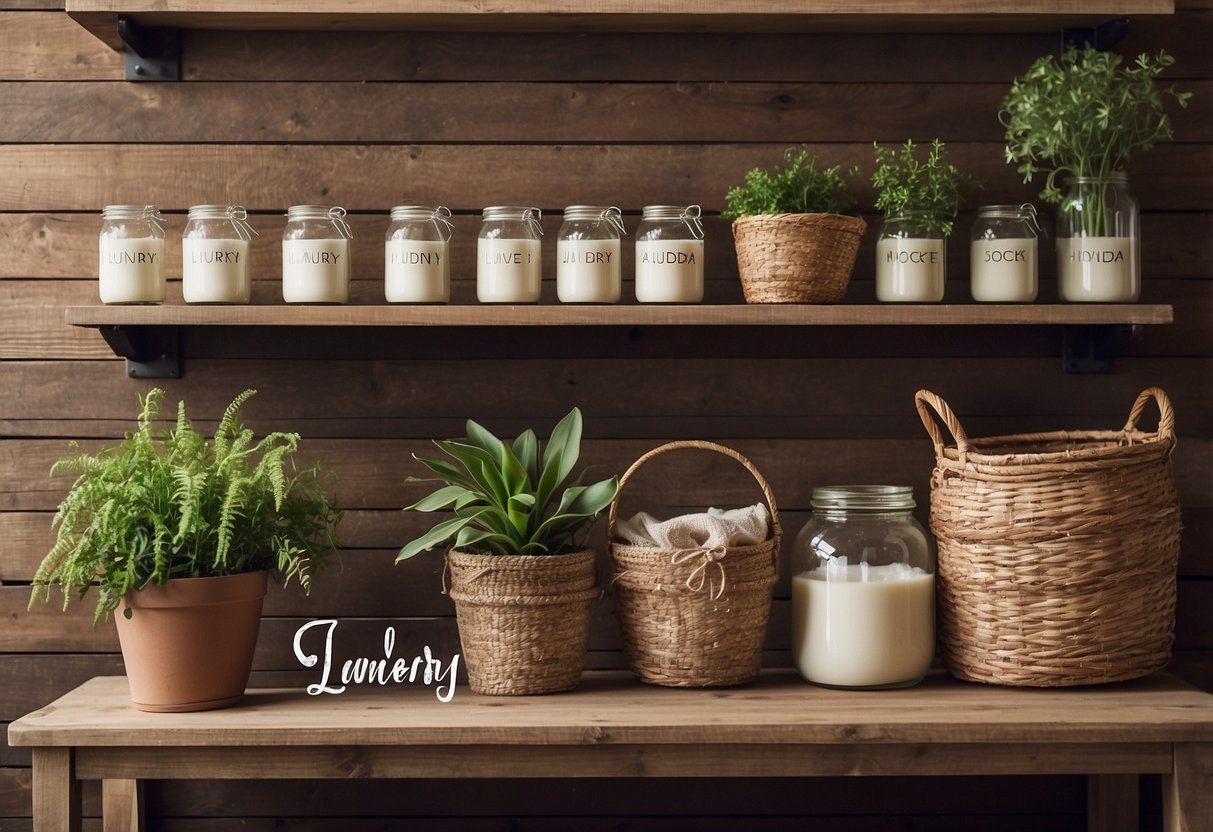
<point>188,645</point>
<point>524,620</point>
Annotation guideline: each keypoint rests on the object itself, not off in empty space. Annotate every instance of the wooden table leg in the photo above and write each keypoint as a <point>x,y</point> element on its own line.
<point>122,806</point>
<point>1187,792</point>
<point>56,791</point>
<point>1112,803</point>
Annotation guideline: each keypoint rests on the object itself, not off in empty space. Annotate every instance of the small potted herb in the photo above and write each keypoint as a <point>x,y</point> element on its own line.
<point>178,534</point>
<point>920,200</point>
<point>522,577</point>
<point>795,242</point>
<point>1081,118</point>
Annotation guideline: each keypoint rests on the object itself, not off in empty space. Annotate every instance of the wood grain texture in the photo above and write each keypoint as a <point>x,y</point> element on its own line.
<point>776,709</point>
<point>56,791</point>
<point>1112,803</point>
<point>1188,789</point>
<point>48,178</point>
<point>49,46</point>
<point>122,805</point>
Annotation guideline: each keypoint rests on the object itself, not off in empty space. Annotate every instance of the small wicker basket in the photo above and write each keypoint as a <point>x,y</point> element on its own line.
<point>523,619</point>
<point>796,258</point>
<point>694,618</point>
<point>1057,551</point>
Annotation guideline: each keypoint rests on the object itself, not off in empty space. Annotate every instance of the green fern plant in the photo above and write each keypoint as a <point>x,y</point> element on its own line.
<point>166,503</point>
<point>798,188</point>
<point>506,498</point>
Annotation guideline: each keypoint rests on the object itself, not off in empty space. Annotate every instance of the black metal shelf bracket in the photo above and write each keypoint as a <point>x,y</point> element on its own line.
<point>150,53</point>
<point>1091,348</point>
<point>1103,37</point>
<point>150,351</point>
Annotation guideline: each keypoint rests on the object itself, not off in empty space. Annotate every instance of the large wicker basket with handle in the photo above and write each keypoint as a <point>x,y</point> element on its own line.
<point>1057,551</point>
<point>694,617</point>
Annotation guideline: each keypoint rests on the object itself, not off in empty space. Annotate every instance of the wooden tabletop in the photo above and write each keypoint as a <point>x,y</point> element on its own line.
<point>612,708</point>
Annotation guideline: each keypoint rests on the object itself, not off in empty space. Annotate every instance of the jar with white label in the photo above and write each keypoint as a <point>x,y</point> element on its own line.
<point>131,247</point>
<point>1003,254</point>
<point>215,254</point>
<point>1098,256</point>
<point>910,260</point>
<point>669,255</point>
<point>507,255</point>
<point>588,252</point>
<point>316,255</point>
<point>416,256</point>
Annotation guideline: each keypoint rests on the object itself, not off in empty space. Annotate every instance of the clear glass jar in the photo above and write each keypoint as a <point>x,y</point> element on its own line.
<point>911,265</point>
<point>1003,254</point>
<point>508,255</point>
<point>863,589</point>
<point>316,255</point>
<point>131,249</point>
<point>416,255</point>
<point>588,252</point>
<point>669,255</point>
<point>215,255</point>
<point>1098,233</point>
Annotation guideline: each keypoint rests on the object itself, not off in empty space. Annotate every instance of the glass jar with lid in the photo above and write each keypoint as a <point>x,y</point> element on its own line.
<point>215,255</point>
<point>508,255</point>
<point>316,255</point>
<point>131,248</point>
<point>416,257</point>
<point>669,255</point>
<point>1003,254</point>
<point>588,252</point>
<point>863,589</point>
<point>911,265</point>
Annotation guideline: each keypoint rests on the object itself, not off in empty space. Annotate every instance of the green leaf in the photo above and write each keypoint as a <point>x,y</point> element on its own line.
<point>443,498</point>
<point>526,448</point>
<point>440,535</point>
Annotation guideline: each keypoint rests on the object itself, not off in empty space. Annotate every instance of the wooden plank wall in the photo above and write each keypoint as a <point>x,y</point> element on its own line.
<point>371,120</point>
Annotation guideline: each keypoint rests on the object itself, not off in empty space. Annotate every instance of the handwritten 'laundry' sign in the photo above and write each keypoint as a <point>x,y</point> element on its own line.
<point>424,669</point>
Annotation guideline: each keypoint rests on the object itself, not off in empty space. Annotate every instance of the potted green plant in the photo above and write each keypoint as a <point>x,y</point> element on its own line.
<point>178,535</point>
<point>795,241</point>
<point>522,577</point>
<point>1081,118</point>
<point>919,200</point>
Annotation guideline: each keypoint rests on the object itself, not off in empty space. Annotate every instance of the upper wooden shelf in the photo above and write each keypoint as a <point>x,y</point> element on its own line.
<point>622,315</point>
<point>100,16</point>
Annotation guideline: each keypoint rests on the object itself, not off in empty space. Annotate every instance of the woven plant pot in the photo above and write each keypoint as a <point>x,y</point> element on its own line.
<point>694,618</point>
<point>1057,551</point>
<point>523,619</point>
<point>796,258</point>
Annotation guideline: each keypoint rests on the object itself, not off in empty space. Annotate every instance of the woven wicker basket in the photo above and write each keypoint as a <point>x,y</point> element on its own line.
<point>1057,551</point>
<point>523,619</point>
<point>796,258</point>
<point>698,617</point>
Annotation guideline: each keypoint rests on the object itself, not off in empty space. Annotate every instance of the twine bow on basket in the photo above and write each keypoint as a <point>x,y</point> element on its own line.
<point>698,577</point>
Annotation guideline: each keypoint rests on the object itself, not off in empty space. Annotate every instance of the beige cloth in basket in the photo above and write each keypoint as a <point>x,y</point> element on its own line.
<point>715,528</point>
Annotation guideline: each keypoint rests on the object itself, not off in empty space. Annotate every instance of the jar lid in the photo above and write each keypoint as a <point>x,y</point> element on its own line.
<point>863,498</point>
<point>334,214</point>
<point>597,213</point>
<point>687,214</point>
<point>515,213</point>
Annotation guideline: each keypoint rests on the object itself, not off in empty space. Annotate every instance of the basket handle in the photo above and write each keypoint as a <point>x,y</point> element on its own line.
<point>931,405</point>
<point>1166,414</point>
<point>703,445</point>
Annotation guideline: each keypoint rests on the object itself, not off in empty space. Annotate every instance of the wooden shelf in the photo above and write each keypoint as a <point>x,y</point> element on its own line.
<point>622,315</point>
<point>100,16</point>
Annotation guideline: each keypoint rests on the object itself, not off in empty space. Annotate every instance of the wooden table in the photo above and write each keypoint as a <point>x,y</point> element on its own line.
<point>614,727</point>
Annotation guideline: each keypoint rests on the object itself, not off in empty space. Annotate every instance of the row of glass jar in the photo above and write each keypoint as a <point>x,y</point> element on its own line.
<point>316,254</point>
<point>1099,267</point>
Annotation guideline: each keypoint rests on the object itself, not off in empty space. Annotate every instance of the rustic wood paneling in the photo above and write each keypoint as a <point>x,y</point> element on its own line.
<point>370,177</point>
<point>468,119</point>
